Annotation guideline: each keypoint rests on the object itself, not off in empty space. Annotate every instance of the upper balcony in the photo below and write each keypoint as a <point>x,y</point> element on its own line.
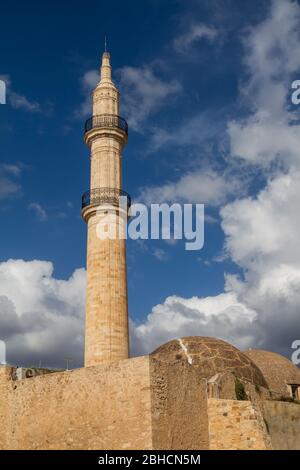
<point>105,121</point>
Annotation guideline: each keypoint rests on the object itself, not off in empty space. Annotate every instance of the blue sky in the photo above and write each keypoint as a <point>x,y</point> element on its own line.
<point>187,72</point>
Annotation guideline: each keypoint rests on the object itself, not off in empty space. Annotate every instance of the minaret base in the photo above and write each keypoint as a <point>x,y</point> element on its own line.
<point>106,304</point>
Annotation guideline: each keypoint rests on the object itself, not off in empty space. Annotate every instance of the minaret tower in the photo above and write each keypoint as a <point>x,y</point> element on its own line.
<point>106,329</point>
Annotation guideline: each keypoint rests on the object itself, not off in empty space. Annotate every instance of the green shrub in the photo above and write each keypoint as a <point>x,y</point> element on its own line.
<point>240,391</point>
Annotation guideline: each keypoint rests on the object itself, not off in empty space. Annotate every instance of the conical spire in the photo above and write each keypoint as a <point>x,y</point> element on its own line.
<point>105,75</point>
<point>106,94</point>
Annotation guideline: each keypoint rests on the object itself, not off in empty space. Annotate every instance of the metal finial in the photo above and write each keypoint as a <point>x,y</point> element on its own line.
<point>105,44</point>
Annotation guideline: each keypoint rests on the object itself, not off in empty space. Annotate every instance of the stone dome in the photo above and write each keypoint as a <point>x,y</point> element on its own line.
<point>211,356</point>
<point>278,371</point>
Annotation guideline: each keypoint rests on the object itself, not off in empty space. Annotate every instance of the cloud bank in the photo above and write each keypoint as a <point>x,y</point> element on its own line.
<point>41,317</point>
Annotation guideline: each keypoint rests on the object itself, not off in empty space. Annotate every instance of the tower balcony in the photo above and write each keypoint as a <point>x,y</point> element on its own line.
<point>99,196</point>
<point>105,121</point>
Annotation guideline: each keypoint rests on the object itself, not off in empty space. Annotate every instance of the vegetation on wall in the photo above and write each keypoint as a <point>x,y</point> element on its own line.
<point>240,391</point>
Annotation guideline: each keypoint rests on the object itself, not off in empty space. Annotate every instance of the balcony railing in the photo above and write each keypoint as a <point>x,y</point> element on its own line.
<point>104,196</point>
<point>104,121</point>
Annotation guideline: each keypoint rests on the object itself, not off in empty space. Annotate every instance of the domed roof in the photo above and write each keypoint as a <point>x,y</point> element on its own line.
<point>211,356</point>
<point>277,370</point>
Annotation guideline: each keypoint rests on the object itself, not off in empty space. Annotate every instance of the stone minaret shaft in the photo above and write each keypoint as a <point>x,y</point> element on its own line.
<point>106,330</point>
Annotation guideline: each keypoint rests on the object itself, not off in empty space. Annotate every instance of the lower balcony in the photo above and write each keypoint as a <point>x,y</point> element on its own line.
<point>99,196</point>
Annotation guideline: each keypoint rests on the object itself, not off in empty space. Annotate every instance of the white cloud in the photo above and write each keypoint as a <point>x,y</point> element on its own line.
<point>266,226</point>
<point>222,316</point>
<point>15,169</point>
<point>196,32</point>
<point>262,237</point>
<point>144,93</point>
<point>8,186</point>
<point>268,133</point>
<point>39,210</point>
<point>262,140</point>
<point>18,100</point>
<point>41,317</point>
<point>202,186</point>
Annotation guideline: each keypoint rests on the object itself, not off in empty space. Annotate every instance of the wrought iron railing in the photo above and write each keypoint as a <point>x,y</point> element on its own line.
<point>100,196</point>
<point>106,120</point>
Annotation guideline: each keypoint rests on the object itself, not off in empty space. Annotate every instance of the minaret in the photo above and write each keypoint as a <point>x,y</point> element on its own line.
<point>106,328</point>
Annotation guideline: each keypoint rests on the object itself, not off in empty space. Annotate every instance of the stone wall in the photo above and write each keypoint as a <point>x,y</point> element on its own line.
<point>138,403</point>
<point>283,423</point>
<point>236,425</point>
<point>179,406</point>
<point>101,407</point>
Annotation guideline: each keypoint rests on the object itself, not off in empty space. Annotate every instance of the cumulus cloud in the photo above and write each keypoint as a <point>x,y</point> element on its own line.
<point>196,32</point>
<point>222,316</point>
<point>41,317</point>
<point>269,133</point>
<point>265,226</point>
<point>144,93</point>
<point>262,238</point>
